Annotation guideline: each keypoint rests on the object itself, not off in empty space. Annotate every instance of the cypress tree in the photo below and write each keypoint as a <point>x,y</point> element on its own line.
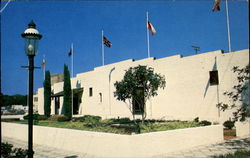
<point>47,94</point>
<point>67,99</point>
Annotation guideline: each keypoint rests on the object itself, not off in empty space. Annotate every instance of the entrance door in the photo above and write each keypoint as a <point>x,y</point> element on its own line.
<point>57,105</point>
<point>76,104</point>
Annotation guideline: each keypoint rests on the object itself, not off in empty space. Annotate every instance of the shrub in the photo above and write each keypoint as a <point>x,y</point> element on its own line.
<point>8,152</point>
<point>237,154</point>
<point>62,118</point>
<point>205,123</point>
<point>121,120</point>
<point>228,124</point>
<point>59,118</point>
<point>6,149</point>
<point>89,119</point>
<point>54,117</point>
<point>42,117</point>
<point>36,117</point>
<point>196,119</point>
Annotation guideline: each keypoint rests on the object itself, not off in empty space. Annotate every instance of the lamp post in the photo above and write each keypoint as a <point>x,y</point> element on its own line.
<point>31,37</point>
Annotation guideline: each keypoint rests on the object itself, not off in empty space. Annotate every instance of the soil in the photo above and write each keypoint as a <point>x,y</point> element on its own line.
<point>229,134</point>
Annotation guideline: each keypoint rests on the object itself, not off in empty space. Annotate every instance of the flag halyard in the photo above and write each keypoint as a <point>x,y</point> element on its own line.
<point>107,42</point>
<point>151,27</point>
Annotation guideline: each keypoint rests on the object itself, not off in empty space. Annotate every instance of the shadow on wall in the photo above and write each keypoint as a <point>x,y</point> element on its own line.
<point>245,96</point>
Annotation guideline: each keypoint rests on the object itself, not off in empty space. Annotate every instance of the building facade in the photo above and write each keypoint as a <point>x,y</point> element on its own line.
<point>194,85</point>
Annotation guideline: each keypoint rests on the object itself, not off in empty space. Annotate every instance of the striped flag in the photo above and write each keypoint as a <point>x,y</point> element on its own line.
<point>107,42</point>
<point>151,27</point>
<point>216,5</point>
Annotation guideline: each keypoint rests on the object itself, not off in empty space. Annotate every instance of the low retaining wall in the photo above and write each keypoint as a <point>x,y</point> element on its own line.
<point>114,145</point>
<point>242,128</point>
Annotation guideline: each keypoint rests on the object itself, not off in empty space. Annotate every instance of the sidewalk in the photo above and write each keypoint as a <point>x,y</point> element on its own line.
<point>229,146</point>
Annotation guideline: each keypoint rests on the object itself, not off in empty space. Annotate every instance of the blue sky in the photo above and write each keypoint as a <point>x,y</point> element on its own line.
<point>179,25</point>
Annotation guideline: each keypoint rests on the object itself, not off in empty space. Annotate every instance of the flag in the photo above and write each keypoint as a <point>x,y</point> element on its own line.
<point>151,28</point>
<point>70,52</point>
<point>216,5</point>
<point>43,63</point>
<point>107,42</point>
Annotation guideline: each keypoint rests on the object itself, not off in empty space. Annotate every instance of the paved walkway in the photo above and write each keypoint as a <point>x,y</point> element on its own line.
<point>225,147</point>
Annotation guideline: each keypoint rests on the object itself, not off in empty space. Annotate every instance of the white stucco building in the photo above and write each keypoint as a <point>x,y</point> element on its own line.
<point>194,85</point>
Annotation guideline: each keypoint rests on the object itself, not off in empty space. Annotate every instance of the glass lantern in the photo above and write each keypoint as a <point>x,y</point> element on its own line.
<point>31,37</point>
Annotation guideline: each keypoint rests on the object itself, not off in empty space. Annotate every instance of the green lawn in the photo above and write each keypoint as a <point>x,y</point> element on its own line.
<point>119,126</point>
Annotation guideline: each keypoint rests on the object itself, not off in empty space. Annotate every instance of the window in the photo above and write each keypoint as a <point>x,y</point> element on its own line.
<point>91,92</point>
<point>214,79</point>
<point>100,94</point>
<point>35,99</point>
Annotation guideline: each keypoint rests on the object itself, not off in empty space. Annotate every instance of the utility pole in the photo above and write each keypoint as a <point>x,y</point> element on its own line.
<point>196,49</point>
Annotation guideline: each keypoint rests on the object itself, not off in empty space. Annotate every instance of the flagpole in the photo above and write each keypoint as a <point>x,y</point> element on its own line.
<point>148,36</point>
<point>72,70</point>
<point>228,28</point>
<point>44,62</point>
<point>102,49</point>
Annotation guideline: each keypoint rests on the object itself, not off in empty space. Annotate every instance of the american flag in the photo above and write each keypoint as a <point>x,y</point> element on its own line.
<point>216,5</point>
<point>107,42</point>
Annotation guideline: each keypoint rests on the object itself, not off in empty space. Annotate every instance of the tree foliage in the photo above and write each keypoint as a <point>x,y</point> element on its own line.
<point>67,99</point>
<point>239,95</point>
<point>47,94</point>
<point>140,77</point>
<point>8,100</point>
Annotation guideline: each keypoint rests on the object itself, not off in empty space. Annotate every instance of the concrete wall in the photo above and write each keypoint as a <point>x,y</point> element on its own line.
<point>187,95</point>
<point>40,94</point>
<point>242,129</point>
<point>115,145</point>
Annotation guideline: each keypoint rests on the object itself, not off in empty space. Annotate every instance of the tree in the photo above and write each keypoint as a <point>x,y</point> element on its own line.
<point>47,94</point>
<point>9,100</point>
<point>67,99</point>
<point>138,85</point>
<point>239,96</point>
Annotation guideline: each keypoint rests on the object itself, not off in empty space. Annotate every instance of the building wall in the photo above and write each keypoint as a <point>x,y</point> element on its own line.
<point>35,102</point>
<point>40,93</point>
<point>56,78</point>
<point>187,94</point>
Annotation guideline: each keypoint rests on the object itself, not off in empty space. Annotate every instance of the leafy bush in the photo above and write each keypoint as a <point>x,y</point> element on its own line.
<point>121,120</point>
<point>8,152</point>
<point>62,118</point>
<point>228,124</point>
<point>89,119</point>
<point>59,118</point>
<point>196,119</point>
<point>237,154</point>
<point>53,117</point>
<point>36,117</point>
<point>205,123</point>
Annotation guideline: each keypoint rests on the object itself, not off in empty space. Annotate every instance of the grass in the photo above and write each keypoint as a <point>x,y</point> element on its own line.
<point>237,154</point>
<point>118,126</point>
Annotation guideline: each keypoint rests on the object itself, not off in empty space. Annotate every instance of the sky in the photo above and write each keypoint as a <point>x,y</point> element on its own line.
<point>179,25</point>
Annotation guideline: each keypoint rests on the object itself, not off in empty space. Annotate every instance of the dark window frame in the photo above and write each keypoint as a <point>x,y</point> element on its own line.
<point>213,77</point>
<point>90,92</point>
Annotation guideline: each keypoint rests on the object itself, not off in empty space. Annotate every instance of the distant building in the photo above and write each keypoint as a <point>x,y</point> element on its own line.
<point>56,78</point>
<point>35,102</point>
<point>194,85</point>
<point>17,107</point>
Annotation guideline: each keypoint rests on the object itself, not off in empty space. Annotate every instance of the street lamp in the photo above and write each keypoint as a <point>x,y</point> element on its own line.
<point>31,37</point>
